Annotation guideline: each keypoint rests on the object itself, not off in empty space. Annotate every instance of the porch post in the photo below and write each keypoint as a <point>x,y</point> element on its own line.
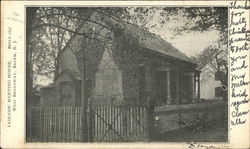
<point>169,100</point>
<point>177,87</point>
<point>199,90</point>
<point>192,86</point>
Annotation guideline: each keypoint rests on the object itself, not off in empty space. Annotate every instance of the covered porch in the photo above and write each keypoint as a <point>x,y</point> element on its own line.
<point>172,85</point>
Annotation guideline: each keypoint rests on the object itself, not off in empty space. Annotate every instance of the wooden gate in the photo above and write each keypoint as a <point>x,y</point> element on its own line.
<point>119,123</point>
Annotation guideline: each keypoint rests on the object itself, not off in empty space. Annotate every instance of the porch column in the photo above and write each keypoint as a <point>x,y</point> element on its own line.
<point>194,100</point>
<point>192,84</point>
<point>169,100</point>
<point>199,88</point>
<point>177,86</point>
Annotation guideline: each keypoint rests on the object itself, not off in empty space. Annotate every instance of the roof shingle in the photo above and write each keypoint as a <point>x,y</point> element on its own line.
<point>149,40</point>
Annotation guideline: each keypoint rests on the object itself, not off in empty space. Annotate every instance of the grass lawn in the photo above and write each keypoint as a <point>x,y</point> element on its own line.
<point>212,132</point>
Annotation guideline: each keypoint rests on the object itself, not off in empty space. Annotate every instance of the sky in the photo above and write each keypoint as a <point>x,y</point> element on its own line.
<point>191,43</point>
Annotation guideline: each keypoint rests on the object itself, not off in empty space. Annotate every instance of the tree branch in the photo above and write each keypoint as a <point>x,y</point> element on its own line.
<point>75,17</point>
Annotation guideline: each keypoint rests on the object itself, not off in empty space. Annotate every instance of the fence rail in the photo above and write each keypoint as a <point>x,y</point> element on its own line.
<point>107,123</point>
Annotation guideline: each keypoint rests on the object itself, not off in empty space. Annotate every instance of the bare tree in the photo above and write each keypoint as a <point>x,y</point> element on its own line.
<point>215,57</point>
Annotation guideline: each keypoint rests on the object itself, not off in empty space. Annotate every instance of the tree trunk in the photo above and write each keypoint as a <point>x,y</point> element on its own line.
<point>29,68</point>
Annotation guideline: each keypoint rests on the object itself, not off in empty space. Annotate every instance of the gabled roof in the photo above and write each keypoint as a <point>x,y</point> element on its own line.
<point>146,39</point>
<point>149,40</point>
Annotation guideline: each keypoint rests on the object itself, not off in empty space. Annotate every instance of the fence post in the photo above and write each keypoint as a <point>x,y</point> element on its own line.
<point>29,131</point>
<point>89,121</point>
<point>84,102</point>
<point>150,117</point>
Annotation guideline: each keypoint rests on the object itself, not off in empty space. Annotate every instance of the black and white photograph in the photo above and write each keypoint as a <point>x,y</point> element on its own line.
<point>126,74</point>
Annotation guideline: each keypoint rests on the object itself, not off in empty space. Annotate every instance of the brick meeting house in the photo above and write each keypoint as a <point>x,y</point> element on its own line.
<point>123,62</point>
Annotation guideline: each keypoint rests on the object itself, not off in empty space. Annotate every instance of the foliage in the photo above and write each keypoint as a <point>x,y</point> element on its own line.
<point>126,49</point>
<point>193,18</point>
<point>214,55</point>
<point>48,41</point>
<point>205,18</point>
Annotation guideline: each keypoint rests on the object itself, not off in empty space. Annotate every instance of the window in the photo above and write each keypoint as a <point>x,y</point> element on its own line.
<point>219,75</point>
<point>216,76</point>
<point>218,92</point>
<point>65,92</point>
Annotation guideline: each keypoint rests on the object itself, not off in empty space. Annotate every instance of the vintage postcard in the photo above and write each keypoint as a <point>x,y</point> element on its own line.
<point>125,74</point>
